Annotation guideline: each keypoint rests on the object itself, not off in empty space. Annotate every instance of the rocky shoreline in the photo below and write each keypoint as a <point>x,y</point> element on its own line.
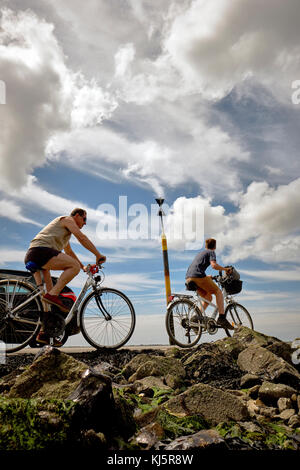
<point>238,393</point>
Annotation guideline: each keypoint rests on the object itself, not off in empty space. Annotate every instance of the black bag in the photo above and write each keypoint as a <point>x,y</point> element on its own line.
<point>233,286</point>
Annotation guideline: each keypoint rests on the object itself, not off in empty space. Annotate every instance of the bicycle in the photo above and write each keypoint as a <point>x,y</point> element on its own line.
<point>105,316</point>
<point>186,318</point>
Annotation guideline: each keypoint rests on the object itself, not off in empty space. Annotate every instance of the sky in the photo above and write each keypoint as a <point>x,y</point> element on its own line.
<point>108,105</point>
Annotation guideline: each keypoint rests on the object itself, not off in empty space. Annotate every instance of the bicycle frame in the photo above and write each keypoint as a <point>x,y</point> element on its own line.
<point>37,292</point>
<point>198,301</point>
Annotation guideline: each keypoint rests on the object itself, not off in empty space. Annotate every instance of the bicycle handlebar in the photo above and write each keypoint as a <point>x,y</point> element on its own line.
<point>94,268</point>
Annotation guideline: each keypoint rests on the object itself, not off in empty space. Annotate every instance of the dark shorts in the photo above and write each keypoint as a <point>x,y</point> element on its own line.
<point>40,255</point>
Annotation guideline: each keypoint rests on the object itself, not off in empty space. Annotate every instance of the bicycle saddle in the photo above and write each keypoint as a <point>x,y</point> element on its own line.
<point>191,285</point>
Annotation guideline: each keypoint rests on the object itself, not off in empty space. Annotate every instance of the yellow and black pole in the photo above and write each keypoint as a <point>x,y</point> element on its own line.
<point>160,202</point>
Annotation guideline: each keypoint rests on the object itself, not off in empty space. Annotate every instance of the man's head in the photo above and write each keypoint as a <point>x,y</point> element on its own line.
<point>79,216</point>
<point>210,244</point>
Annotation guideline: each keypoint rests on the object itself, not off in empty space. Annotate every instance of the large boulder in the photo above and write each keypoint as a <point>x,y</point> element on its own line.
<point>145,365</point>
<point>213,404</point>
<point>213,365</point>
<point>204,439</point>
<point>94,400</point>
<point>53,374</point>
<point>270,392</point>
<point>259,361</point>
<point>248,337</point>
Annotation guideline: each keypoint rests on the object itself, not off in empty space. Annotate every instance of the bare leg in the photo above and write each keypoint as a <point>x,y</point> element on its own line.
<point>65,263</point>
<point>206,296</point>
<point>220,302</point>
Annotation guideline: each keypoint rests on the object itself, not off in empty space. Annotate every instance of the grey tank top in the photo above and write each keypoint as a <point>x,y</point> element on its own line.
<point>54,235</point>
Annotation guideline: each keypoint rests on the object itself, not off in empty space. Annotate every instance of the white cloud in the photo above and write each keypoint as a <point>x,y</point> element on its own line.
<point>218,44</point>
<point>44,96</point>
<point>8,255</point>
<point>274,275</point>
<point>12,211</point>
<point>264,226</point>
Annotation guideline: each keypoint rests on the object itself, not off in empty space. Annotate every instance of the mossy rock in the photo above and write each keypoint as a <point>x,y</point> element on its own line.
<point>247,336</point>
<point>213,404</point>
<point>33,424</point>
<point>52,375</point>
<point>175,426</point>
<point>266,435</point>
<point>158,366</point>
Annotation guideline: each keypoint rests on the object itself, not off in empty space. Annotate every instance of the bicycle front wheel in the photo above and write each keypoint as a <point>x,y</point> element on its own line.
<point>183,323</point>
<point>238,315</point>
<point>107,319</point>
<point>18,328</point>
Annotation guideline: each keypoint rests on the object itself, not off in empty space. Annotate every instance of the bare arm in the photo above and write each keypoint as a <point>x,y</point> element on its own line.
<point>69,223</point>
<point>216,266</point>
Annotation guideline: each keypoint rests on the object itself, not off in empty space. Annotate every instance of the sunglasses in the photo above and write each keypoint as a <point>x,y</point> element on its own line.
<point>84,218</point>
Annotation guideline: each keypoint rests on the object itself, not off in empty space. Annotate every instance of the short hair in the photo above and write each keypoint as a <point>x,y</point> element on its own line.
<point>210,243</point>
<point>79,211</point>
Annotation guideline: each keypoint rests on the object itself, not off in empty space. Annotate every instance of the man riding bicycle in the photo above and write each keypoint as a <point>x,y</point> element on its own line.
<point>205,285</point>
<point>45,252</point>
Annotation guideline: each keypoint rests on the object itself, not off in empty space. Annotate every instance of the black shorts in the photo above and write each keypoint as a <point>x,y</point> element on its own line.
<point>40,255</point>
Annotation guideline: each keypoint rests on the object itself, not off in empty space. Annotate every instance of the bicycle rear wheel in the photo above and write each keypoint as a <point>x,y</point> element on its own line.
<point>183,323</point>
<point>238,315</point>
<point>19,328</point>
<point>107,319</point>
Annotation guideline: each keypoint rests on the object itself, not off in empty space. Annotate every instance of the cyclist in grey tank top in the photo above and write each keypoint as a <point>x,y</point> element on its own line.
<point>45,251</point>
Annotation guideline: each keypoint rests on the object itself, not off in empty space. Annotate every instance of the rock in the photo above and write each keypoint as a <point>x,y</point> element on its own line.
<point>252,407</point>
<point>250,380</point>
<point>268,411</point>
<point>213,404</point>
<point>294,422</point>
<point>270,392</point>
<point>253,391</point>
<point>284,404</point>
<point>147,384</point>
<point>210,365</point>
<point>149,435</point>
<point>230,346</point>
<point>249,426</point>
<point>259,361</point>
<point>298,402</point>
<point>95,407</point>
<point>283,350</point>
<point>207,438</point>
<point>53,374</point>
<point>286,414</point>
<point>169,368</point>
<point>7,382</point>
<point>94,440</point>
<point>248,337</point>
<point>107,369</point>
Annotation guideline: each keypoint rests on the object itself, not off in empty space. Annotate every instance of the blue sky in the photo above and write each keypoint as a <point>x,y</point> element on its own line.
<point>186,100</point>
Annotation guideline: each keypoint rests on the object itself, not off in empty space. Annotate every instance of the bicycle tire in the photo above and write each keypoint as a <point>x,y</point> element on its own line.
<point>178,318</point>
<point>122,313</point>
<point>17,331</point>
<point>233,316</point>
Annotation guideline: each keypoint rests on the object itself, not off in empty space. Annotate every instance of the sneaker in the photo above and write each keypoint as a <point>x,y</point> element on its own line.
<point>43,338</point>
<point>55,300</point>
<point>224,323</point>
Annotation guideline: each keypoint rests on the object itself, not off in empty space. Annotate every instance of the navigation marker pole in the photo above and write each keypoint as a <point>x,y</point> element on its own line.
<point>161,213</point>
